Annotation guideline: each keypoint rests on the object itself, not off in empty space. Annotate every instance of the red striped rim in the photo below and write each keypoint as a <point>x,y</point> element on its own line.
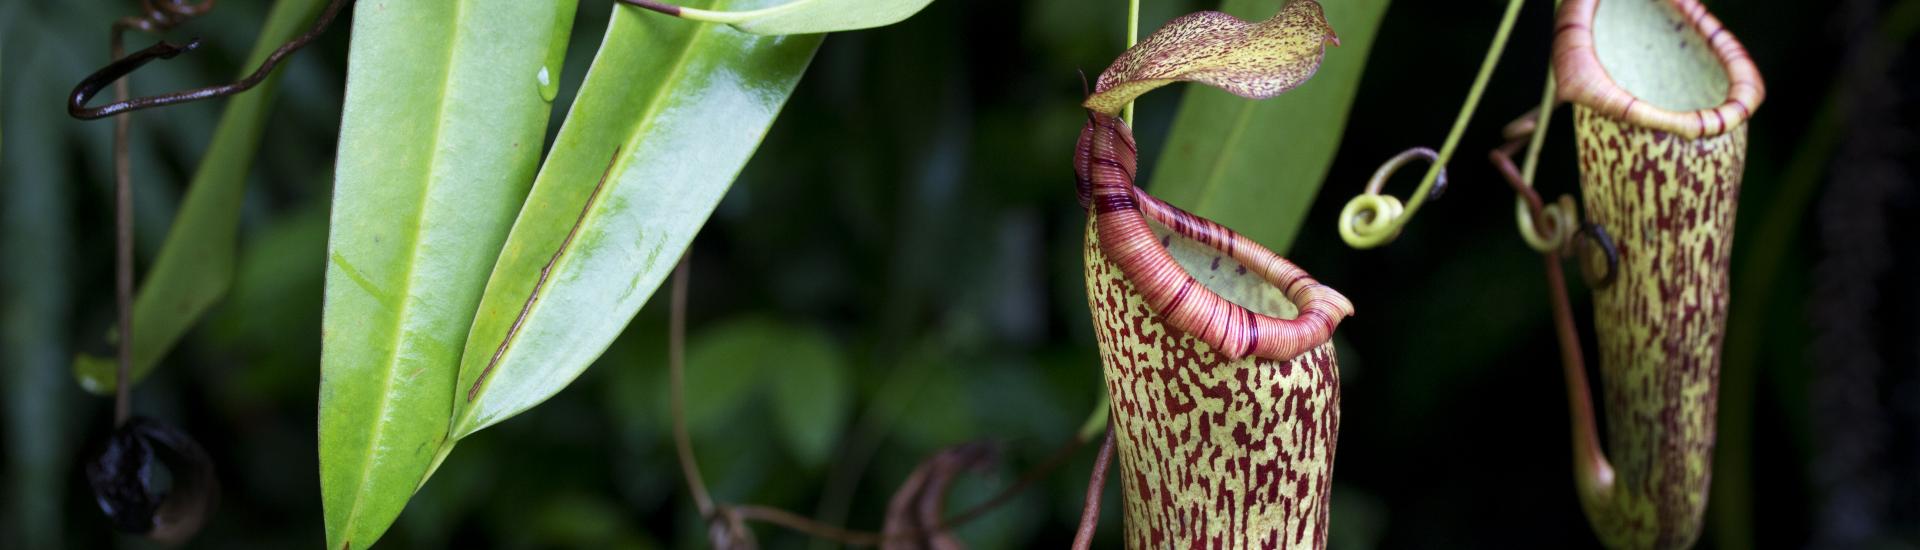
<point>1583,80</point>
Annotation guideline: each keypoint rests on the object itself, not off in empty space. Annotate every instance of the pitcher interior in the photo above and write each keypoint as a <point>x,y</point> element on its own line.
<point>1652,52</point>
<point>1225,276</point>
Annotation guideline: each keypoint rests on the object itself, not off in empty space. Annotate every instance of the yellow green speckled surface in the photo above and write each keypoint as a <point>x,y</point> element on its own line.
<point>1669,203</point>
<point>1661,95</point>
<point>1213,453</point>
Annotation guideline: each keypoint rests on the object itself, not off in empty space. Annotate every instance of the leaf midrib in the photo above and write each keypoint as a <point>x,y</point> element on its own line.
<point>399,327</point>
<point>630,147</point>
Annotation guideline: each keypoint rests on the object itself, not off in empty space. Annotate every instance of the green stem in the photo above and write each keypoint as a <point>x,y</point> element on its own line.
<point>1133,37</point>
<point>1529,227</point>
<point>1368,221</point>
<point>1545,115</point>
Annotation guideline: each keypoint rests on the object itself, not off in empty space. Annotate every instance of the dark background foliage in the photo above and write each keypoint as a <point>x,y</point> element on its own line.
<point>910,219</point>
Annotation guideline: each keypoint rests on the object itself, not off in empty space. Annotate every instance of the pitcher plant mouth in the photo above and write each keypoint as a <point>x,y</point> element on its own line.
<point>1615,57</point>
<point>1121,211</point>
<point>1235,323</point>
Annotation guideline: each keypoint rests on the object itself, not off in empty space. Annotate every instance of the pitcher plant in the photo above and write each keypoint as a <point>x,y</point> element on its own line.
<point>1217,352</point>
<point>1661,94</point>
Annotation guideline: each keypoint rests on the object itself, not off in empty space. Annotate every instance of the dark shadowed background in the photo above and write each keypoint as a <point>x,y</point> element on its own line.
<point>911,218</point>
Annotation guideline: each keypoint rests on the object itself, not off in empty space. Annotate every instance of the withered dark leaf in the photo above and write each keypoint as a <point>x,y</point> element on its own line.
<point>122,478</point>
<point>152,479</point>
<point>919,505</point>
<point>726,530</point>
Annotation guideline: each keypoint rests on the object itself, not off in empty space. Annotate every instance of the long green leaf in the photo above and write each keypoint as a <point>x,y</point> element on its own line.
<point>668,114</point>
<point>815,16</point>
<point>195,265</point>
<point>439,137</point>
<point>1255,166</point>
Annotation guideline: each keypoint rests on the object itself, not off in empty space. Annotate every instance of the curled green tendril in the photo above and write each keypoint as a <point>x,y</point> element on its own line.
<point>1372,213</point>
<point>1562,215</point>
<point>1556,233</point>
<point>1371,219</point>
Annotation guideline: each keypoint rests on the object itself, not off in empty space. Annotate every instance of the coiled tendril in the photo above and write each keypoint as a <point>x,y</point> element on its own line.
<point>1372,219</point>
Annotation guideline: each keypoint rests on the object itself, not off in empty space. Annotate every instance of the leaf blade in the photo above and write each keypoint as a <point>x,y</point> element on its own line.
<point>680,142</point>
<point>1256,166</point>
<point>426,185</point>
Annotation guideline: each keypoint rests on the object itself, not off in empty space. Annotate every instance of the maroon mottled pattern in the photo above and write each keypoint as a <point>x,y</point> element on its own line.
<point>1225,419</point>
<point>1214,453</point>
<point>1669,203</point>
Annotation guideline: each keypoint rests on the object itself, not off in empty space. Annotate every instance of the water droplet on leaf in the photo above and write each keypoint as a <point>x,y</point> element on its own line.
<point>549,86</point>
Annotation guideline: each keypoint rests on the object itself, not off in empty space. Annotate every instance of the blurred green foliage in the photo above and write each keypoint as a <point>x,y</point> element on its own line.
<point>910,217</point>
<point>194,267</point>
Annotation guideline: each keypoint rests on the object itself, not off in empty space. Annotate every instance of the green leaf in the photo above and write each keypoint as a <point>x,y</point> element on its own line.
<point>1255,166</point>
<point>725,368</point>
<point>195,265</point>
<point>814,16</point>
<point>810,393</point>
<point>676,107</point>
<point>439,137</point>
<point>926,404</point>
<point>1255,60</point>
<point>266,320</point>
<point>801,370</point>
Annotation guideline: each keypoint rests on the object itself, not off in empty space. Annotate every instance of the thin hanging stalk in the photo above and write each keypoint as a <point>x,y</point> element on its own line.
<point>1588,460</point>
<point>1133,37</point>
<point>1371,219</point>
<point>677,374</point>
<point>1096,484</point>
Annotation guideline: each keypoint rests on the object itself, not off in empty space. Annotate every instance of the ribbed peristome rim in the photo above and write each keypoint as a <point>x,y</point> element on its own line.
<point>1583,80</point>
<point>1319,308</point>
